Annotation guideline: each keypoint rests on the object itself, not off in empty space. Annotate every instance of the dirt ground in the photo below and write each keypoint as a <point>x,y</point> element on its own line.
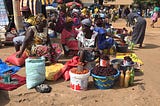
<point>144,92</point>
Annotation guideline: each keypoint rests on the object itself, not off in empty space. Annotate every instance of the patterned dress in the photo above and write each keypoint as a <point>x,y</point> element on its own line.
<point>69,39</point>
<point>38,46</point>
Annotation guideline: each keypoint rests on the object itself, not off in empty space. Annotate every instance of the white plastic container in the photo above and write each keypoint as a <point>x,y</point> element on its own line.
<point>79,81</point>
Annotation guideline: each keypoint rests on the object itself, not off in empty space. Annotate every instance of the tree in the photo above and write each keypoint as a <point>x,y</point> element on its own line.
<point>153,2</point>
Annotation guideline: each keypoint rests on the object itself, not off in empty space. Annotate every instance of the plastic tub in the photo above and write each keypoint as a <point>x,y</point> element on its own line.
<point>79,81</point>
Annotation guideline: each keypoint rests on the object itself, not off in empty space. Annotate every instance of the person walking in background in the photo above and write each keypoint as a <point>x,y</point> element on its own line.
<point>139,28</point>
<point>126,12</point>
<point>155,16</point>
<point>120,12</point>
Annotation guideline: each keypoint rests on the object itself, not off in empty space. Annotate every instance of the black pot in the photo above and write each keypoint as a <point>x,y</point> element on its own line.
<point>122,49</point>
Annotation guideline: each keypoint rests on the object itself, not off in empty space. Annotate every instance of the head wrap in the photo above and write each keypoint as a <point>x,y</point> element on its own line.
<point>99,21</point>
<point>86,22</point>
<point>131,17</point>
<point>75,11</point>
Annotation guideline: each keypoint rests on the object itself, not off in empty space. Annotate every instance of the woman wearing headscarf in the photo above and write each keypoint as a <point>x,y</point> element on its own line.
<point>104,41</point>
<point>37,42</point>
<point>61,20</point>
<point>76,20</point>
<point>68,37</point>
<point>139,28</point>
<point>87,43</point>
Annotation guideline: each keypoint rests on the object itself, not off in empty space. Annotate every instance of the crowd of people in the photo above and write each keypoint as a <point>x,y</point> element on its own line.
<point>84,30</point>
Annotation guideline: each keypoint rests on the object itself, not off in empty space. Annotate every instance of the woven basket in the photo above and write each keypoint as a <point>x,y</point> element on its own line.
<point>104,82</point>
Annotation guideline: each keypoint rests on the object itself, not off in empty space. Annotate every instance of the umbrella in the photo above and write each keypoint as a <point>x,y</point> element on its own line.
<point>73,3</point>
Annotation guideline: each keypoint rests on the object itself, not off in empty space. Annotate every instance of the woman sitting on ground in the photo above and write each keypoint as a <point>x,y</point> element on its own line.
<point>68,37</point>
<point>104,41</point>
<point>37,42</point>
<point>87,42</point>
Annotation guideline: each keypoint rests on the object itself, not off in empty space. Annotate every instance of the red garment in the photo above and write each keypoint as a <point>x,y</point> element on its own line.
<point>155,17</point>
<point>66,39</point>
<point>9,87</point>
<point>69,65</point>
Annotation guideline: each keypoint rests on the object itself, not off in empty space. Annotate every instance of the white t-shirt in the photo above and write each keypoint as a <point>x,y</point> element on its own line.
<point>87,42</point>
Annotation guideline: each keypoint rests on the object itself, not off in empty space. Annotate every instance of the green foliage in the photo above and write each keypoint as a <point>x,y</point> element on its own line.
<point>146,1</point>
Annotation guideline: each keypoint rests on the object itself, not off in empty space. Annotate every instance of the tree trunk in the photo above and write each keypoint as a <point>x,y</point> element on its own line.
<point>17,15</point>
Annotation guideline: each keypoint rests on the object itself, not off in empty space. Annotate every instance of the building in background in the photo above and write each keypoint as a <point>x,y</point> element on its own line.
<point>87,2</point>
<point>118,3</point>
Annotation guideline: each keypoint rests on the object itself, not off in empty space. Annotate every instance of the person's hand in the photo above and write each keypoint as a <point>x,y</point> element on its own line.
<point>89,49</point>
<point>95,49</point>
<point>19,54</point>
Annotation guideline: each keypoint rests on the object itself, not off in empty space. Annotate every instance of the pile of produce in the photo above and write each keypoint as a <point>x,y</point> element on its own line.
<point>127,61</point>
<point>75,71</point>
<point>104,71</point>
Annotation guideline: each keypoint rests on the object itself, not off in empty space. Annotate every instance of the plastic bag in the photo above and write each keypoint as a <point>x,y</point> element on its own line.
<point>35,71</point>
<point>53,72</point>
<point>66,75</point>
<point>5,68</point>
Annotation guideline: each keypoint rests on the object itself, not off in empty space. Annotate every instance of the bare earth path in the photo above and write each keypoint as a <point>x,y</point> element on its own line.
<point>145,92</point>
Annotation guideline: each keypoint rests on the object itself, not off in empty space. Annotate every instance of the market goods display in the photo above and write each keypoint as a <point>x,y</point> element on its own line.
<point>127,61</point>
<point>104,76</point>
<point>126,79</point>
<point>123,64</point>
<point>75,71</point>
<point>12,59</point>
<point>104,61</point>
<point>53,72</point>
<point>105,82</point>
<point>104,68</point>
<point>104,71</point>
<point>122,48</point>
<point>79,79</point>
<point>35,71</point>
<point>121,79</point>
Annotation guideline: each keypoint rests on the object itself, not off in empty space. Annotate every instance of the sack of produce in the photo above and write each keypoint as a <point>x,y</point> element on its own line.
<point>35,71</point>
<point>12,59</point>
<point>53,72</point>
